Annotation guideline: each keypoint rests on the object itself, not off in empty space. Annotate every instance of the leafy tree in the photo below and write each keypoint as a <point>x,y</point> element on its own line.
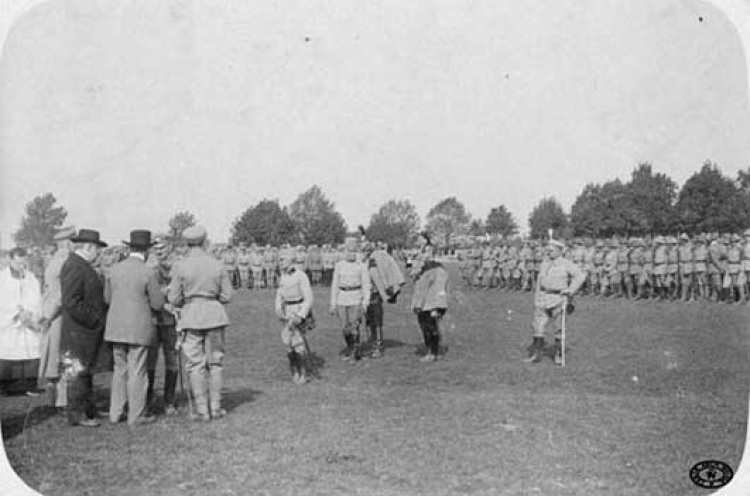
<point>652,200</point>
<point>316,219</point>
<point>396,223</point>
<point>742,197</point>
<point>500,221</point>
<point>548,214</point>
<point>266,224</point>
<point>587,212</point>
<point>476,228</point>
<point>447,218</point>
<point>41,221</point>
<point>708,201</point>
<point>179,222</point>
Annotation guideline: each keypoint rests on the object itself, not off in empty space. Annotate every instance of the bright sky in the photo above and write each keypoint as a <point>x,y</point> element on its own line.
<point>131,111</point>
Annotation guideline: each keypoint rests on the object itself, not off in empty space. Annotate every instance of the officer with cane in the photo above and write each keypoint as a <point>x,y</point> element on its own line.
<point>558,281</point>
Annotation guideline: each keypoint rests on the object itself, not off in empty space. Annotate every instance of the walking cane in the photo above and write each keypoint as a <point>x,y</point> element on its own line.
<point>178,347</point>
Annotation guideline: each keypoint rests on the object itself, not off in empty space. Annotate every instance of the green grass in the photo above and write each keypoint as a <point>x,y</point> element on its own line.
<point>478,422</point>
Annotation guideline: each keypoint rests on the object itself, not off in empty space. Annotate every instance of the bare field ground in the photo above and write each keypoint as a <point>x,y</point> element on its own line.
<point>478,422</point>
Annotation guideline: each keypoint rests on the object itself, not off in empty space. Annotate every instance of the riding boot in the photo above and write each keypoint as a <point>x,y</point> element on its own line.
<point>535,350</point>
<point>151,374</point>
<point>292,356</point>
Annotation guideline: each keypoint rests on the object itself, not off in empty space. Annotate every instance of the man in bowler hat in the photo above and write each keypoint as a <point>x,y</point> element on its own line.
<point>83,316</point>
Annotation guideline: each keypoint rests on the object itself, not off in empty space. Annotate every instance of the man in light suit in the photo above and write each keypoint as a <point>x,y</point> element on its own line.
<point>133,293</point>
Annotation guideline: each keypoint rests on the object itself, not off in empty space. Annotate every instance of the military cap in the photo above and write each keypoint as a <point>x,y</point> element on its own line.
<point>599,243</point>
<point>659,240</point>
<point>700,239</point>
<point>556,243</point>
<point>747,232</point>
<point>613,242</point>
<point>64,233</point>
<point>736,237</point>
<point>194,235</point>
<point>684,237</point>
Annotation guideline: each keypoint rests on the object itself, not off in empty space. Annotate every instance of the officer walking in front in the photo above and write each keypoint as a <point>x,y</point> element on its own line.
<point>201,287</point>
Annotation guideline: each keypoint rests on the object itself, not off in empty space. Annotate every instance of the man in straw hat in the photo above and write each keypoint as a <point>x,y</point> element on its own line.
<point>132,292</point>
<point>83,316</point>
<point>559,279</point>
<point>201,287</point>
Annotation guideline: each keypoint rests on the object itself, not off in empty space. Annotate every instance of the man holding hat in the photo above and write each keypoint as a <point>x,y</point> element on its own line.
<point>132,292</point>
<point>83,316</point>
<point>559,279</point>
<point>350,295</point>
<point>201,287</point>
<point>49,363</point>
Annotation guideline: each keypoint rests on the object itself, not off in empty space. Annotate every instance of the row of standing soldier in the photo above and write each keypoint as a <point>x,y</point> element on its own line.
<point>706,267</point>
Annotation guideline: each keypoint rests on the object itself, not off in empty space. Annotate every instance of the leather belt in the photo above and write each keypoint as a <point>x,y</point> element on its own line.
<point>553,291</point>
<point>294,302</point>
<point>350,288</point>
<point>191,299</point>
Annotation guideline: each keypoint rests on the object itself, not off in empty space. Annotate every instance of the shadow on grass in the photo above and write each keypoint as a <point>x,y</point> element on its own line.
<point>237,397</point>
<point>15,424</point>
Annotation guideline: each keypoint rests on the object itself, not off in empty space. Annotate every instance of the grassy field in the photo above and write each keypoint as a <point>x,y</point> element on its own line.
<point>478,422</point>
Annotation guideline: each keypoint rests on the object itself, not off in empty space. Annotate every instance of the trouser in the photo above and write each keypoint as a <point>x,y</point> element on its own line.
<point>257,278</point>
<point>129,381</point>
<point>350,317</point>
<point>430,329</point>
<point>80,392</point>
<point>270,277</point>
<point>166,340</point>
<point>244,277</point>
<point>204,353</point>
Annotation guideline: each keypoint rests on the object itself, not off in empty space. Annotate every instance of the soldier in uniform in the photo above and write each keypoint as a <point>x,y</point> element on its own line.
<point>611,268</point>
<point>243,265</point>
<point>256,266</point>
<point>686,266</point>
<point>716,266</point>
<point>329,261</point>
<point>635,267</point>
<point>673,266</point>
<point>527,266</point>
<point>315,265</point>
<point>160,261</point>
<point>660,267</point>
<point>559,279</point>
<point>646,280</point>
<point>350,295</point>
<point>294,300</point>
<point>599,282</point>
<point>229,258</point>
<point>623,269</point>
<point>200,288</point>
<point>734,268</point>
<point>700,266</point>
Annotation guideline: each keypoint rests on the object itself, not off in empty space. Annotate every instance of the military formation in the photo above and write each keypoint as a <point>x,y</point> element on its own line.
<point>706,267</point>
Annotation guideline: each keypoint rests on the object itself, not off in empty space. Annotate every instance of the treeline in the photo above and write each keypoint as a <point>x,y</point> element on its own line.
<point>649,203</point>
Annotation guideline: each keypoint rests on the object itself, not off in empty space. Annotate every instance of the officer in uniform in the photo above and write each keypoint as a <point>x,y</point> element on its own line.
<point>269,268</point>
<point>623,269</point>
<point>350,295</point>
<point>635,267</point>
<point>200,288</point>
<point>660,267</point>
<point>611,268</point>
<point>746,258</point>
<point>559,279</point>
<point>256,266</point>
<point>294,300</point>
<point>646,280</point>
<point>717,255</point>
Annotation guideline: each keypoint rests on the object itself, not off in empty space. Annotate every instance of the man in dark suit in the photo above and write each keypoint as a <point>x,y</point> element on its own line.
<point>132,292</point>
<point>83,317</point>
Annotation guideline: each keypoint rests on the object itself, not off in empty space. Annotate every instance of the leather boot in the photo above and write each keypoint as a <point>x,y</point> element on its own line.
<point>215,384</point>
<point>535,350</point>
<point>151,382</point>
<point>198,388</point>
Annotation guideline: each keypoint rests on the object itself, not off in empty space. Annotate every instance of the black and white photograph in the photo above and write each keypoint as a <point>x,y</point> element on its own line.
<point>334,247</point>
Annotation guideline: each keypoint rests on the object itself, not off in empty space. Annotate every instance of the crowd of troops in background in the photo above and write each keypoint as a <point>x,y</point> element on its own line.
<point>706,267</point>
